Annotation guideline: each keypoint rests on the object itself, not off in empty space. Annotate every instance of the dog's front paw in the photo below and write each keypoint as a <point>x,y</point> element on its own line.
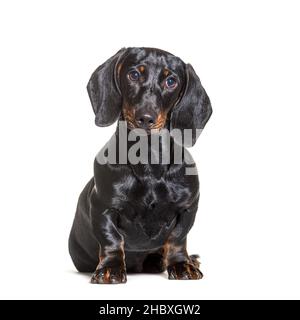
<point>184,271</point>
<point>109,275</point>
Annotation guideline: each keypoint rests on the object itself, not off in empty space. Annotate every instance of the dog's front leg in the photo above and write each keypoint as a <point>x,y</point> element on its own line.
<point>111,267</point>
<point>179,264</point>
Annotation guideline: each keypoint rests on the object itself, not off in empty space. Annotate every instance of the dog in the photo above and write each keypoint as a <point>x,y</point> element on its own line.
<point>135,217</point>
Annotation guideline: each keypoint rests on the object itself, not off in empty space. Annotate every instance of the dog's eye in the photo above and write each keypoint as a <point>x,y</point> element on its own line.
<point>133,75</point>
<point>171,83</point>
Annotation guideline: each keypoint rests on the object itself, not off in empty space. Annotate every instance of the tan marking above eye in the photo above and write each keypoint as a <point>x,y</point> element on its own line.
<point>141,68</point>
<point>166,72</point>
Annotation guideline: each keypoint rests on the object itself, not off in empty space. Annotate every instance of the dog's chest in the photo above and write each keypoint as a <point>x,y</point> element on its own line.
<point>150,194</point>
<point>148,207</point>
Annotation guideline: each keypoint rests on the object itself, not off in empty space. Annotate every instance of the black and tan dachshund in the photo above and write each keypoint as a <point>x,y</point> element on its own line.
<point>135,217</point>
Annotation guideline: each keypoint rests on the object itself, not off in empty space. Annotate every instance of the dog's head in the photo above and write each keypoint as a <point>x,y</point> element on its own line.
<point>150,89</point>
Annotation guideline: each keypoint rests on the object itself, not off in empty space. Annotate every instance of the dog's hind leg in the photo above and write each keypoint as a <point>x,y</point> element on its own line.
<point>81,259</point>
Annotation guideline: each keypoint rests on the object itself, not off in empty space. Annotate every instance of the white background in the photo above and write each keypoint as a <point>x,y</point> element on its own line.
<point>247,56</point>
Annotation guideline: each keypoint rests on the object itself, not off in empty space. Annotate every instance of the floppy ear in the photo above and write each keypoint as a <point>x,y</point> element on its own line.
<point>194,108</point>
<point>104,91</point>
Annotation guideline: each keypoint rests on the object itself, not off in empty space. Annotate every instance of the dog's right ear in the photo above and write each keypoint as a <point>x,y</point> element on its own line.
<point>194,109</point>
<point>104,91</point>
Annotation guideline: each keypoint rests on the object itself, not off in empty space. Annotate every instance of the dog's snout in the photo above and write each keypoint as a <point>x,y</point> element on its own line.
<point>146,120</point>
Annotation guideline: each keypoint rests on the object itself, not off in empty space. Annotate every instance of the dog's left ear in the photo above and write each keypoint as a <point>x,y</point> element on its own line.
<point>104,91</point>
<point>193,109</point>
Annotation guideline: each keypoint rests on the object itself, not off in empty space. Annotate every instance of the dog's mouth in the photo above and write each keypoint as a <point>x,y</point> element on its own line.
<point>132,126</point>
<point>140,130</point>
<point>153,127</point>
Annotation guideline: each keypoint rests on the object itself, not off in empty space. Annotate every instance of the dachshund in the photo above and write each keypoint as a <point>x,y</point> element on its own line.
<point>135,217</point>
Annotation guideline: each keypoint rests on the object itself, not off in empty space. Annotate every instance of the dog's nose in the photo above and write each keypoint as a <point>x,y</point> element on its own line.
<point>145,121</point>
